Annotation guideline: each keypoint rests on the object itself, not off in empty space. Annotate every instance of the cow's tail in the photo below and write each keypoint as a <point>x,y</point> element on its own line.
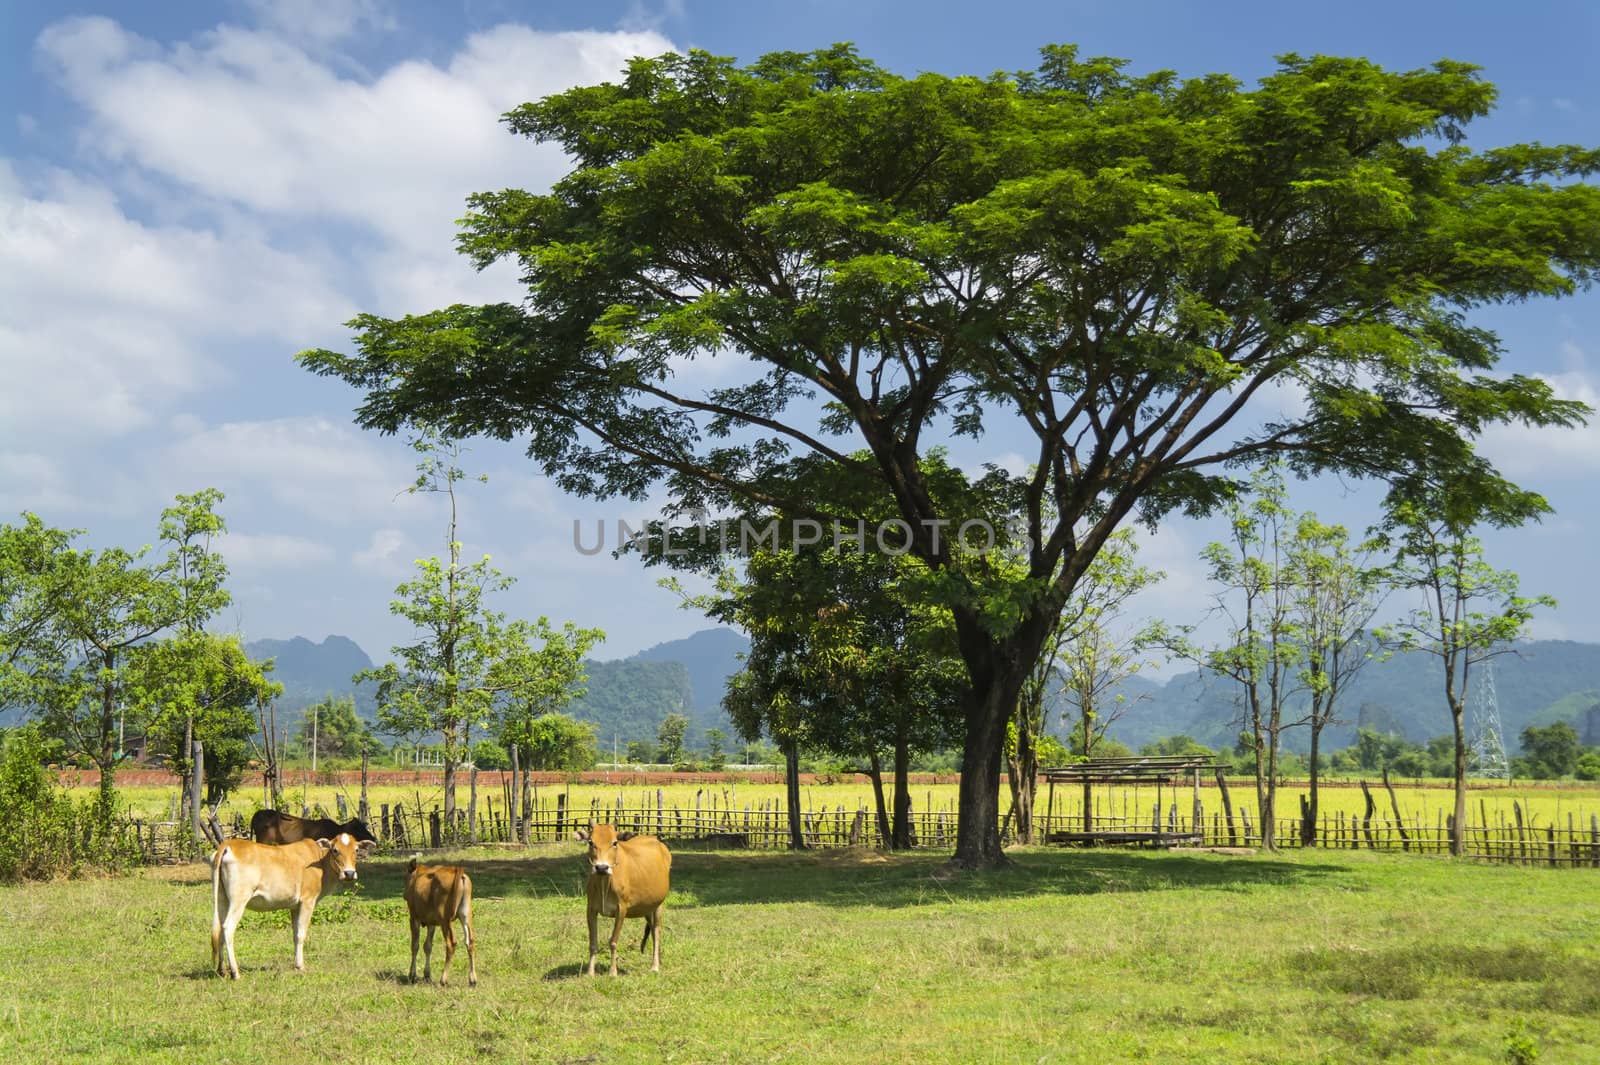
<point>649,930</point>
<point>216,907</point>
<point>461,905</point>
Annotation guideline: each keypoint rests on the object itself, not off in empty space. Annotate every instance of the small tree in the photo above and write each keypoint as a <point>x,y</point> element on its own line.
<point>199,686</point>
<point>639,752</point>
<point>336,730</point>
<point>1551,752</point>
<point>556,741</point>
<point>1334,593</point>
<point>1470,612</point>
<point>30,602</point>
<point>669,738</point>
<point>716,753</point>
<point>467,658</point>
<point>556,676</point>
<point>108,603</point>
<point>1261,651</point>
<point>1098,658</point>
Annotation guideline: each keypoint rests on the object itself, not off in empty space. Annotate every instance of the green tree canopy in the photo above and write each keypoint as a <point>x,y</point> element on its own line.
<point>202,686</point>
<point>108,604</point>
<point>1120,266</point>
<point>556,741</point>
<point>339,730</point>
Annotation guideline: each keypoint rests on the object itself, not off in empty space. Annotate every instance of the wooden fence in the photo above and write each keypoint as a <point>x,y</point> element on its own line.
<point>720,820</point>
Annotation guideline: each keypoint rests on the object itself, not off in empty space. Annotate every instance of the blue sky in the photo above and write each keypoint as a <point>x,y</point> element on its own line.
<point>192,192</point>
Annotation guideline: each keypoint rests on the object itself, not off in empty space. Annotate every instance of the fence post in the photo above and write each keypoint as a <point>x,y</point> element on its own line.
<point>196,785</point>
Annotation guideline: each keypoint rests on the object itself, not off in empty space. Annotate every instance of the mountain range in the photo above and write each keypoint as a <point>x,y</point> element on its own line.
<point>1542,682</point>
<point>625,699</point>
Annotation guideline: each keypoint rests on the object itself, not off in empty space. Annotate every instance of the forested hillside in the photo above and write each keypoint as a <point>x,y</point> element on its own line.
<point>1543,682</point>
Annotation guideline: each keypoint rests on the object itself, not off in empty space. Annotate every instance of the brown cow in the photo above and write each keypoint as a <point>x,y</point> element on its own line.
<point>437,895</point>
<point>275,826</point>
<point>628,877</point>
<point>260,876</point>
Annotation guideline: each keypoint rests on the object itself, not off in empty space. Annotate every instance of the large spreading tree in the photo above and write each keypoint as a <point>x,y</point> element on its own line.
<point>1129,272</point>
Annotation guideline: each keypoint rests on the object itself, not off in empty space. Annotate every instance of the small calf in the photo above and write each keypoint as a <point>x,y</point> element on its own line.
<point>260,876</point>
<point>628,877</point>
<point>437,895</point>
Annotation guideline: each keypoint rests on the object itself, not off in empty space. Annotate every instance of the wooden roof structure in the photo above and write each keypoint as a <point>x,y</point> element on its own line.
<point>1164,769</point>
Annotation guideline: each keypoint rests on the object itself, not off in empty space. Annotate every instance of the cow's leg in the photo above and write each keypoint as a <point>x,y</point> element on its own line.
<point>594,936</point>
<point>616,934</point>
<point>229,923</point>
<point>655,935</point>
<point>302,924</point>
<point>449,951</point>
<point>416,939</point>
<point>427,955</point>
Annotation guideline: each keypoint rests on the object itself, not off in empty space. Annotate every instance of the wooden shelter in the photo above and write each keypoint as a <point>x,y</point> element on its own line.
<point>1173,770</point>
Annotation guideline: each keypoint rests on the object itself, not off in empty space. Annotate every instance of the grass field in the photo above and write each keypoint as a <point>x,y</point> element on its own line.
<point>845,956</point>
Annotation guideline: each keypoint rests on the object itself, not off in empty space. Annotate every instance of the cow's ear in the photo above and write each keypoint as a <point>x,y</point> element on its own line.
<point>325,844</point>
<point>366,847</point>
<point>623,837</point>
<point>581,835</point>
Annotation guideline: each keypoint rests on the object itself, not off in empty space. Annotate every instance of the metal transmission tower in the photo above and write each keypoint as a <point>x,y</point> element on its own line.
<point>1488,738</point>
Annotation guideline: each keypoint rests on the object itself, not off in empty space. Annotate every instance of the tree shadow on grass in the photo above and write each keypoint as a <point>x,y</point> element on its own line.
<point>858,877</point>
<point>870,878</point>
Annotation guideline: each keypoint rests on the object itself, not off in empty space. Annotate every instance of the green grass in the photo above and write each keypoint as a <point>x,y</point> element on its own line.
<point>844,956</point>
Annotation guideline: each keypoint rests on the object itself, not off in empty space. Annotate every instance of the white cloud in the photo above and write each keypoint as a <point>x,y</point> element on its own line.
<point>107,319</point>
<point>270,550</point>
<point>1526,451</point>
<point>322,21</point>
<point>249,117</point>
<point>327,470</point>
<point>386,552</point>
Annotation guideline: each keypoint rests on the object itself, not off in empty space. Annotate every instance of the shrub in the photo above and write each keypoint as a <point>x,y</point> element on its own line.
<point>38,822</point>
<point>487,754</point>
<point>1588,766</point>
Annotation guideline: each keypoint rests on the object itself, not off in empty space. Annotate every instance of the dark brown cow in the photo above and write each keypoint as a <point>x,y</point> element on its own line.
<point>277,827</point>
<point>628,877</point>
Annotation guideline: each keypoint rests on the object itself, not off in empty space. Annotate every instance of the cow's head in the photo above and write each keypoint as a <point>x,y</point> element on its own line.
<point>339,854</point>
<point>603,850</point>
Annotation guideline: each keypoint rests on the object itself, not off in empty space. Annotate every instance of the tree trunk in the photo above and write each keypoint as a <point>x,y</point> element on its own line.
<point>1088,810</point>
<point>1308,818</point>
<point>1021,768</point>
<point>449,795</point>
<point>186,771</point>
<point>791,759</point>
<point>1458,833</point>
<point>1227,805</point>
<point>106,802</point>
<point>513,814</point>
<point>902,795</point>
<point>1394,804</point>
<point>196,782</point>
<point>978,813</point>
<point>875,771</point>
